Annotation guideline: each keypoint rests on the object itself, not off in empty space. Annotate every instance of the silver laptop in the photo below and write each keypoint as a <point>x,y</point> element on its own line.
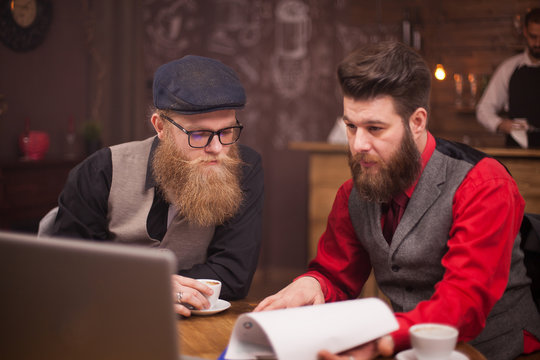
<point>72,299</point>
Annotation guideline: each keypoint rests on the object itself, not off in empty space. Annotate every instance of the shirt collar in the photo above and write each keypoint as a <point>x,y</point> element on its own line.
<point>426,155</point>
<point>150,180</point>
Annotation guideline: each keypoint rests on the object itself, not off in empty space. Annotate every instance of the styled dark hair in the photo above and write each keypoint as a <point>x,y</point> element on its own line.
<point>532,15</point>
<point>387,68</point>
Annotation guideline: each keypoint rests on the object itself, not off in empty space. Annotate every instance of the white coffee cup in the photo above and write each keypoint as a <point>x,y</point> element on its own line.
<point>214,285</point>
<point>431,341</point>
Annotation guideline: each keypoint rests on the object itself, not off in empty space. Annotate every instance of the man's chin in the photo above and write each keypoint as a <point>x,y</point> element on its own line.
<point>371,169</point>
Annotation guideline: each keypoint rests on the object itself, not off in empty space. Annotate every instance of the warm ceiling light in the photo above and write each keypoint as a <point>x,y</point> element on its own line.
<point>440,74</point>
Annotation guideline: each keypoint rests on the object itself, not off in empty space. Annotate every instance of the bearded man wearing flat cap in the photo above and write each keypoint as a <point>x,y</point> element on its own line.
<point>191,188</point>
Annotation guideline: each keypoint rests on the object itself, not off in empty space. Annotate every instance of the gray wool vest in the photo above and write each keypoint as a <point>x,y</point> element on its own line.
<point>408,269</point>
<point>130,202</point>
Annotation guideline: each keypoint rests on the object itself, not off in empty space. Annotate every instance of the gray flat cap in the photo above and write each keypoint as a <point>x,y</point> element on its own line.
<point>196,84</point>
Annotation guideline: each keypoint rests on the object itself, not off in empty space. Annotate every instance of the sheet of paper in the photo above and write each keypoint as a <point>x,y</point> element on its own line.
<point>300,333</point>
<point>520,133</point>
<point>521,138</point>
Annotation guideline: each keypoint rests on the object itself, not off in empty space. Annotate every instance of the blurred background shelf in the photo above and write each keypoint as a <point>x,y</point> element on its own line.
<point>28,190</point>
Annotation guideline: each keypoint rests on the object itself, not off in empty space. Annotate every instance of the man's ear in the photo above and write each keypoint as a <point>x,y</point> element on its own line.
<point>418,122</point>
<point>158,124</point>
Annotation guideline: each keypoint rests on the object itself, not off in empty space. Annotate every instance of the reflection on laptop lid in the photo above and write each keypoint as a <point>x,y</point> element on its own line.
<point>71,299</point>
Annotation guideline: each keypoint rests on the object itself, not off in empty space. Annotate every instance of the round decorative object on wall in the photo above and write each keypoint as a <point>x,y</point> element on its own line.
<point>24,23</point>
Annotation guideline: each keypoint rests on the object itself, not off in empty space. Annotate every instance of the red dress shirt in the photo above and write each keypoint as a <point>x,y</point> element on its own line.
<point>487,211</point>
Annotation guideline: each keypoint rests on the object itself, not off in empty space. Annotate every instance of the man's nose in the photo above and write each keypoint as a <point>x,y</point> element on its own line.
<point>360,142</point>
<point>214,146</point>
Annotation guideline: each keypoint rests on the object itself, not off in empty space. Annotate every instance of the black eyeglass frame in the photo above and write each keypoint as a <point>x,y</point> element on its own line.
<point>211,137</point>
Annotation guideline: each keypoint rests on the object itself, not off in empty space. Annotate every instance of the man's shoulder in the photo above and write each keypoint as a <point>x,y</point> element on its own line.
<point>93,169</point>
<point>513,62</point>
<point>102,159</point>
<point>97,160</point>
<point>248,154</point>
<point>146,143</point>
<point>483,166</point>
<point>459,151</point>
<point>488,169</point>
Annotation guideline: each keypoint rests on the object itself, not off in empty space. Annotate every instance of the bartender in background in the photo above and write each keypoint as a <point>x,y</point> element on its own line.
<point>514,90</point>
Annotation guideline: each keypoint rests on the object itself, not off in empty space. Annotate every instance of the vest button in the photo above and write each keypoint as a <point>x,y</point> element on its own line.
<point>409,289</point>
<point>395,268</point>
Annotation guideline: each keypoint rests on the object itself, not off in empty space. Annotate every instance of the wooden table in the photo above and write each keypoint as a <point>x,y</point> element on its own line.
<point>208,336</point>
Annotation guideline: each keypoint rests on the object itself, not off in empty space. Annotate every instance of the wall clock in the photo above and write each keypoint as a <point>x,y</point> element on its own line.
<point>24,23</point>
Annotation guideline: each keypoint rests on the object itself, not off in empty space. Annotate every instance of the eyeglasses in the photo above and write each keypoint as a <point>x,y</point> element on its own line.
<point>202,138</point>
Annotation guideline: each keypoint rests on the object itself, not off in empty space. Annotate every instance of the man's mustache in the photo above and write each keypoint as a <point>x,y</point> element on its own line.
<point>365,158</point>
<point>221,158</point>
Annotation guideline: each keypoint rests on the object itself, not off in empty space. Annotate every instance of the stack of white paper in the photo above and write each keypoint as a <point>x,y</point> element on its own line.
<point>520,134</point>
<point>521,138</point>
<point>300,333</point>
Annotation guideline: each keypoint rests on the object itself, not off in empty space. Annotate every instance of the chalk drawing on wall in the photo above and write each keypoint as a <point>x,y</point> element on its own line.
<point>289,127</point>
<point>289,63</point>
<point>351,37</point>
<point>236,24</point>
<point>166,28</point>
<point>248,69</point>
<point>290,76</point>
<point>293,28</point>
<point>250,35</point>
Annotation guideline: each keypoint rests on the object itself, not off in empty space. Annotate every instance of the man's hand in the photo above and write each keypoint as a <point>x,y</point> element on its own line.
<point>383,346</point>
<point>192,294</point>
<point>304,291</point>
<point>508,125</point>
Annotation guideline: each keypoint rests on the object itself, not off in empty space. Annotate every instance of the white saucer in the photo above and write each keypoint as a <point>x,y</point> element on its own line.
<point>221,305</point>
<point>409,355</point>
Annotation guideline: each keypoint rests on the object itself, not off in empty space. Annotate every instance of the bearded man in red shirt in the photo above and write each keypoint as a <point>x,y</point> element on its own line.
<point>437,221</point>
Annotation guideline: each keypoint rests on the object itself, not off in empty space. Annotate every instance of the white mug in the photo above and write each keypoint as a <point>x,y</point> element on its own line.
<point>214,285</point>
<point>431,341</point>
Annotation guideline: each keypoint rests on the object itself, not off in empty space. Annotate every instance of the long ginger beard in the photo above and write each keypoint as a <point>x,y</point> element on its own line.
<point>390,178</point>
<point>206,195</point>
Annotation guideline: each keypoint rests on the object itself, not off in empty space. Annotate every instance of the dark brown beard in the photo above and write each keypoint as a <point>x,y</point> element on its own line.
<point>534,52</point>
<point>391,178</point>
<point>206,195</point>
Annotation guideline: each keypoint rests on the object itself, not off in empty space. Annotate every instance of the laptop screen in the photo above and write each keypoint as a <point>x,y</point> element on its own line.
<point>73,299</point>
